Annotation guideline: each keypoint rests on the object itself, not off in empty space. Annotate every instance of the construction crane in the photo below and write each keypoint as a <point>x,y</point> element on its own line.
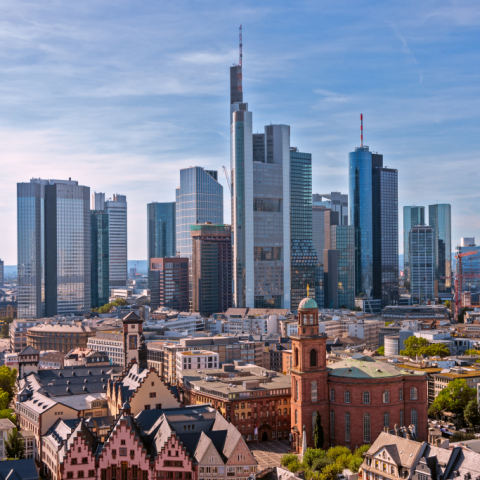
<point>228,179</point>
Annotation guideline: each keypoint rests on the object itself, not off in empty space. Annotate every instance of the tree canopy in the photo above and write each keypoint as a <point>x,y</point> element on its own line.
<point>108,306</point>
<point>7,381</point>
<point>471,413</point>
<point>420,346</point>
<point>15,446</point>
<point>318,438</point>
<point>381,350</point>
<point>453,398</point>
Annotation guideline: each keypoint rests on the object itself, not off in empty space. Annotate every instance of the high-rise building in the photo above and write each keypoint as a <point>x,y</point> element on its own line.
<point>212,268</point>
<point>169,283</point>
<point>412,216</point>
<point>331,219</point>
<point>439,218</point>
<point>318,229</point>
<point>330,275</point>
<point>260,176</point>
<point>304,255</point>
<point>422,263</point>
<point>385,232</point>
<point>199,199</point>
<point>470,280</point>
<point>336,201</point>
<point>100,248</point>
<point>319,285</point>
<point>53,220</point>
<point>161,227</point>
<point>2,273</point>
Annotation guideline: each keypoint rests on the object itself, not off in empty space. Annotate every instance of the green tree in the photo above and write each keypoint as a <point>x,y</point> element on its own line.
<point>330,472</point>
<point>461,437</point>
<point>4,400</point>
<point>435,350</point>
<point>7,381</point>
<point>318,438</point>
<point>388,323</point>
<point>381,351</point>
<point>471,413</point>
<point>311,455</point>
<point>448,304</point>
<point>287,458</point>
<point>335,452</point>
<point>413,345</point>
<point>14,445</point>
<point>355,463</point>
<point>472,351</point>
<point>453,398</point>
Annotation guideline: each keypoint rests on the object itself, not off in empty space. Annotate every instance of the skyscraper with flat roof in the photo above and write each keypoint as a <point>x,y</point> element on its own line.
<point>343,242</point>
<point>100,254</point>
<point>336,201</point>
<point>440,219</point>
<point>422,263</point>
<point>116,208</point>
<point>412,216</point>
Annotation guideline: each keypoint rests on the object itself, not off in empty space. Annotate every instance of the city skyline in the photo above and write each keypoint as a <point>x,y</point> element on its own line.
<point>116,120</point>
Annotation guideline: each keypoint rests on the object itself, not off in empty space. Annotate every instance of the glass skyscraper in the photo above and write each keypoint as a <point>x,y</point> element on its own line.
<point>199,199</point>
<point>100,258</point>
<point>117,220</point>
<point>304,256</point>
<point>439,218</point>
<point>470,267</point>
<point>422,263</point>
<point>360,216</point>
<point>412,216</point>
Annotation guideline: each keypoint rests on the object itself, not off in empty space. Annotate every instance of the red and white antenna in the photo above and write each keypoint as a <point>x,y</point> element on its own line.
<point>239,71</point>
<point>361,130</point>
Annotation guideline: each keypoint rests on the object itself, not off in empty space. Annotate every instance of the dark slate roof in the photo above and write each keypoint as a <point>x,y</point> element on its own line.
<point>90,439</point>
<point>18,469</point>
<point>132,317</point>
<point>29,351</point>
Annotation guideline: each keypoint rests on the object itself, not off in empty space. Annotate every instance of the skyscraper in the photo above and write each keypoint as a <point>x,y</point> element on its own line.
<point>470,267</point>
<point>422,263</point>
<point>100,269</point>
<point>212,268</point>
<point>161,228</point>
<point>53,219</point>
<point>304,256</point>
<point>335,201</point>
<point>412,216</point>
<point>439,218</point>
<point>318,229</point>
<point>116,209</point>
<point>199,199</point>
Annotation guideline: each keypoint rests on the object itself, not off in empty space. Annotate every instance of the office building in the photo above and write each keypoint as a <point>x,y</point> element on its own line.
<point>470,280</point>
<point>335,201</point>
<point>331,219</point>
<point>330,275</point>
<point>422,263</point>
<point>343,242</point>
<point>439,218</point>
<point>319,285</point>
<point>110,343</point>
<point>304,255</point>
<point>2,273</point>
<point>53,277</point>
<point>260,175</point>
<point>412,216</point>
<point>161,230</point>
<point>318,229</point>
<point>212,269</point>
<point>385,232</point>
<point>199,199</point>
<point>100,248</point>
<point>169,283</point>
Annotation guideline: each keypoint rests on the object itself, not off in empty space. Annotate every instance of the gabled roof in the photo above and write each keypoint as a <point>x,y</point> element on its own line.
<point>29,351</point>
<point>132,317</point>
<point>18,469</point>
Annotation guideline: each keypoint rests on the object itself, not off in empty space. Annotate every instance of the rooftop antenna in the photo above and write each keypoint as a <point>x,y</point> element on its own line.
<point>361,130</point>
<point>239,72</point>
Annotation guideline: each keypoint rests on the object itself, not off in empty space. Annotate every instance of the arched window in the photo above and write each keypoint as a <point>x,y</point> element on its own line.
<point>236,416</point>
<point>347,427</point>
<point>386,396</point>
<point>332,395</point>
<point>347,397</point>
<point>414,417</point>
<point>400,394</point>
<point>279,411</point>
<point>314,417</point>
<point>305,319</point>
<point>366,428</point>
<point>401,418</point>
<point>284,401</point>
<point>314,391</point>
<point>284,411</point>
<point>386,419</point>
<point>332,424</point>
<point>413,394</point>
<point>295,360</point>
<point>366,397</point>
<point>296,416</point>
<point>313,358</point>
<point>243,406</point>
<point>243,416</point>
<point>297,390</point>
<point>311,319</point>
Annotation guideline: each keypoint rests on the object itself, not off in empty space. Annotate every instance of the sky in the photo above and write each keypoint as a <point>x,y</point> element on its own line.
<point>120,95</point>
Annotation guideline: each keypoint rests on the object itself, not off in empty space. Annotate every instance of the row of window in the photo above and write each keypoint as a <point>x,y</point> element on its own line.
<point>366,395</point>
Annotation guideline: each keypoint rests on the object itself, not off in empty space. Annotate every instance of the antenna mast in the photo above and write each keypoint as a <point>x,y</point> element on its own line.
<point>239,72</point>
<point>361,130</point>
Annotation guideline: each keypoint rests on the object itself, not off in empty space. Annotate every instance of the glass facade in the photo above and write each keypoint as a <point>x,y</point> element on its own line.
<point>99,258</point>
<point>360,216</point>
<point>319,286</point>
<point>199,199</point>
<point>412,216</point>
<point>304,256</point>
<point>439,218</point>
<point>422,263</point>
<point>161,228</point>
<point>470,268</point>
<point>117,219</point>
<point>385,233</point>
<point>343,241</point>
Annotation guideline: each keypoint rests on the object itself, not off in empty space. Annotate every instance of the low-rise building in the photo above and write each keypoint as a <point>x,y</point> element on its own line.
<point>51,360</point>
<point>18,332</point>
<point>11,360</point>
<point>111,343</point>
<point>196,360</point>
<point>6,428</point>
<point>442,379</point>
<point>86,357</point>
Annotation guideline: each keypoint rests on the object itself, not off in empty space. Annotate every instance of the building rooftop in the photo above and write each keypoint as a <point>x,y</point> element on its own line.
<point>307,303</point>
<point>50,328</point>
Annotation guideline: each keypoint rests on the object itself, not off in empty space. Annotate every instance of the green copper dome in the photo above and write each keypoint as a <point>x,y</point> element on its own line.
<point>308,303</point>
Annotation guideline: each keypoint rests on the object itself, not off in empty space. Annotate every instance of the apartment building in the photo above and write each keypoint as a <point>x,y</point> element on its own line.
<point>18,332</point>
<point>196,360</point>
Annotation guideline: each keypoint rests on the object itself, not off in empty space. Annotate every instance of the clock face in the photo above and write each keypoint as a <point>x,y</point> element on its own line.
<point>123,452</point>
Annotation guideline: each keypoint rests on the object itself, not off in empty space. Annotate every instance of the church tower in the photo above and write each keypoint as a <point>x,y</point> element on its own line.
<point>309,375</point>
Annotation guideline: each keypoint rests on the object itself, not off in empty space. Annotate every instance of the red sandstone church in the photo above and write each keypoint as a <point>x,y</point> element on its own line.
<point>357,398</point>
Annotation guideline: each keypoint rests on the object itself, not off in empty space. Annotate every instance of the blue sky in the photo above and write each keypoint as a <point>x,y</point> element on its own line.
<point>120,95</point>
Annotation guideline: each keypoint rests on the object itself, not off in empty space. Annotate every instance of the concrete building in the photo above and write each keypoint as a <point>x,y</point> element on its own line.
<point>18,332</point>
<point>412,216</point>
<point>470,267</point>
<point>109,342</point>
<point>422,263</point>
<point>335,201</point>
<point>196,360</point>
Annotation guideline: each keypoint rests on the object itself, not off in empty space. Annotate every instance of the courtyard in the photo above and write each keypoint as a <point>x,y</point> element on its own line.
<point>268,454</point>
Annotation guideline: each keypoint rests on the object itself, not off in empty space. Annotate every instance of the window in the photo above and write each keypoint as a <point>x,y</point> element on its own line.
<point>297,390</point>
<point>69,474</point>
<point>332,424</point>
<point>347,397</point>
<point>386,419</point>
<point>332,395</point>
<point>153,394</point>
<point>386,396</point>
<point>401,418</point>
<point>84,460</point>
<point>414,416</point>
<point>295,363</point>
<point>313,358</point>
<point>80,474</point>
<point>366,398</point>
<point>400,394</point>
<point>158,406</point>
<point>91,473</point>
<point>122,442</point>
<point>366,428</point>
<point>413,394</point>
<point>73,461</point>
<point>314,391</point>
<point>347,427</point>
<point>296,416</point>
<point>146,407</point>
<point>285,411</point>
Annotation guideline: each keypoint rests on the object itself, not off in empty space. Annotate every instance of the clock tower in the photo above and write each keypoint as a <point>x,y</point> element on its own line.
<point>309,376</point>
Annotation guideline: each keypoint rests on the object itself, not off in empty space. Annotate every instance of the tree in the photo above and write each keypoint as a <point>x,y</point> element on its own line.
<point>453,398</point>
<point>413,345</point>
<point>7,380</point>
<point>4,400</point>
<point>15,446</point>
<point>471,413</point>
<point>435,350</point>
<point>448,304</point>
<point>381,351</point>
<point>472,351</point>
<point>318,439</point>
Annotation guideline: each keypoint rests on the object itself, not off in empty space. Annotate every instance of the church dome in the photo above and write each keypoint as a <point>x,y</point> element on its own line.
<point>307,303</point>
